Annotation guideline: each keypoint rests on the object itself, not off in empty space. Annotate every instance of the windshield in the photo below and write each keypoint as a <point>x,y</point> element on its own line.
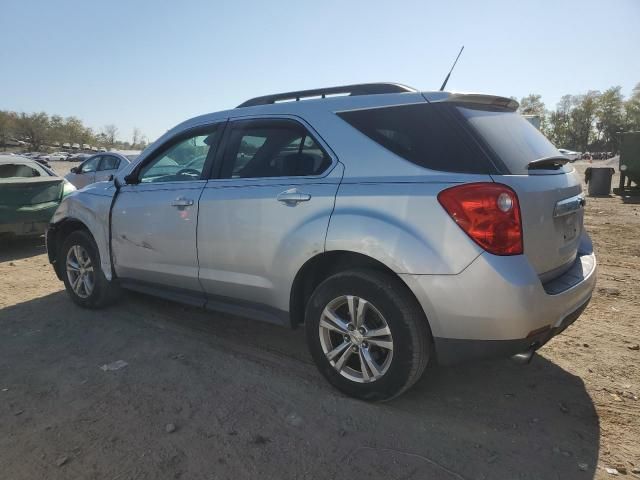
<point>131,158</point>
<point>511,137</point>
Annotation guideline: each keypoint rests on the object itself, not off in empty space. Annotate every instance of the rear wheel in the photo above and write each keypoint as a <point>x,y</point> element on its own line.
<point>367,334</point>
<point>84,280</point>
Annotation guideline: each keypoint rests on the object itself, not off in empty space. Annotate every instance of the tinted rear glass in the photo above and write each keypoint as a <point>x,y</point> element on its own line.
<point>510,136</point>
<point>425,134</point>
<point>21,170</point>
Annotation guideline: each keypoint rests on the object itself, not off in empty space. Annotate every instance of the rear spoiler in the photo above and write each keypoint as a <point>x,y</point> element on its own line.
<point>483,99</point>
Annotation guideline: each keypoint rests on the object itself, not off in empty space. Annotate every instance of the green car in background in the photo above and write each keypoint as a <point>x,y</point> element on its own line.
<point>29,195</point>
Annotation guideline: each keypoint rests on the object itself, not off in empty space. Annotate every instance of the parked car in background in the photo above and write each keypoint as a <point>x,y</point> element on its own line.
<point>570,154</point>
<point>57,156</point>
<point>100,167</point>
<point>38,157</point>
<point>78,157</point>
<point>400,227</point>
<point>29,194</point>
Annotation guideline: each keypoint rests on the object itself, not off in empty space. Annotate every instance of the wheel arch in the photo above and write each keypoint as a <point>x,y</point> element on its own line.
<point>318,268</point>
<point>56,235</point>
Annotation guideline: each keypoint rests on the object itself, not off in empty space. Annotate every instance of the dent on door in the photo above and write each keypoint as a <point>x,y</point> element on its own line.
<point>154,235</point>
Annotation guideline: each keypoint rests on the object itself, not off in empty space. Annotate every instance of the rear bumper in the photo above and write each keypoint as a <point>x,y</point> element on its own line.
<point>499,307</point>
<point>27,228</point>
<point>451,351</point>
<point>27,220</point>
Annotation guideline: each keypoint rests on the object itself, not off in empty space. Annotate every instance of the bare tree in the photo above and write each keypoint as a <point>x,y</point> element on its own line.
<point>110,133</point>
<point>136,137</point>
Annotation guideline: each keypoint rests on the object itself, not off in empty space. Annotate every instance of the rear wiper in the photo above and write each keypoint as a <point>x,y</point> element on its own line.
<point>547,163</point>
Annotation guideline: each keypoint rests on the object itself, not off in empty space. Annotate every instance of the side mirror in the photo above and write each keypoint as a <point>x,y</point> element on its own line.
<point>110,179</point>
<point>132,178</point>
<point>75,170</point>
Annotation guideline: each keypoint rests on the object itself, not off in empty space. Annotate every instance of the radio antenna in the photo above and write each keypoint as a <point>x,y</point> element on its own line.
<point>444,84</point>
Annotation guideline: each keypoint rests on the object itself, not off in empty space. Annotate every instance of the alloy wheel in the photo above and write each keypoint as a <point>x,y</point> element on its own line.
<point>356,339</point>
<point>80,271</point>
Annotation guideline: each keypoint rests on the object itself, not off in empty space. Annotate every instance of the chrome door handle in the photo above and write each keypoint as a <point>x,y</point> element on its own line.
<point>182,202</point>
<point>293,196</point>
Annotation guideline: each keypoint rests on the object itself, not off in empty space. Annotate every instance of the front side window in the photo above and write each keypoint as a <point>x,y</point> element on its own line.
<point>90,165</point>
<point>273,148</point>
<point>109,162</point>
<point>181,161</point>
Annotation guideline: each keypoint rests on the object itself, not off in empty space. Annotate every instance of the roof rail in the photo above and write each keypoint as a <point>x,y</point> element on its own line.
<point>358,89</point>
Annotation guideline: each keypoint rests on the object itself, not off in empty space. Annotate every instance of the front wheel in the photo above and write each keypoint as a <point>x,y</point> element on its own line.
<point>367,334</point>
<point>84,280</point>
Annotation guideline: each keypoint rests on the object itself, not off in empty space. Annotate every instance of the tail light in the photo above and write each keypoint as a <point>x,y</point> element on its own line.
<point>489,213</point>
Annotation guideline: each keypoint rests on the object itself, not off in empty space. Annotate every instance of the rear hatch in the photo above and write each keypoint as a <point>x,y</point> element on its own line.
<point>18,192</point>
<point>549,190</point>
<point>27,190</point>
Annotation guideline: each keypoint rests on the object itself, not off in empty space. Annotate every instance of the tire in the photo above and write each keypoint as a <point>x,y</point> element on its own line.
<point>102,291</point>
<point>388,302</point>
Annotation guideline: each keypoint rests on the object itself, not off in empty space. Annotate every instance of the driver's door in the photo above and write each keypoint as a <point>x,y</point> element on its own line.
<point>85,173</point>
<point>155,214</point>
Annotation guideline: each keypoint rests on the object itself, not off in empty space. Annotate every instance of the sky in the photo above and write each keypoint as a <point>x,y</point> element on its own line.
<point>152,64</point>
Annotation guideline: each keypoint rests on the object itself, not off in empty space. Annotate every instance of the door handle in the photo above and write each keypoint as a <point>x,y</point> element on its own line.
<point>182,202</point>
<point>293,196</point>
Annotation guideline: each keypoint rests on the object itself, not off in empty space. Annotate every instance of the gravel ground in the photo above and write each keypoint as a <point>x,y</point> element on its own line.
<point>204,396</point>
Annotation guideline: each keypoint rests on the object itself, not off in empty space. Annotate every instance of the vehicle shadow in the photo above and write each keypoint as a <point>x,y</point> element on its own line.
<point>631,198</point>
<point>18,248</point>
<point>248,402</point>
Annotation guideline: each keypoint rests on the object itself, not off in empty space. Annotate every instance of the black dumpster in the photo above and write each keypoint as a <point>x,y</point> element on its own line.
<point>599,180</point>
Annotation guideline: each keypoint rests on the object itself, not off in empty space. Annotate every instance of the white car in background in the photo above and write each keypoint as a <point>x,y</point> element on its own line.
<point>55,157</point>
<point>100,167</point>
<point>58,156</point>
<point>570,154</point>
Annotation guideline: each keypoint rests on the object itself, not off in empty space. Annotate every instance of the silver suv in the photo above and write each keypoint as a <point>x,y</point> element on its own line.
<point>400,227</point>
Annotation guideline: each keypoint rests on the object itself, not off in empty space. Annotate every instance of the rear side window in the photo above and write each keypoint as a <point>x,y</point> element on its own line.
<point>272,148</point>
<point>424,134</point>
<point>109,162</point>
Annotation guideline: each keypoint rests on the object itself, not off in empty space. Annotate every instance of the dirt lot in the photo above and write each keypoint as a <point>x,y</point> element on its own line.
<point>245,400</point>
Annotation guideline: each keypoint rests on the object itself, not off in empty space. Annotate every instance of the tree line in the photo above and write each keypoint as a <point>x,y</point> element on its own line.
<point>588,122</point>
<point>40,131</point>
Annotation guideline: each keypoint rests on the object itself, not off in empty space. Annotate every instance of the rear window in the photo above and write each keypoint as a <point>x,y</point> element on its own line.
<point>513,140</point>
<point>425,134</point>
<point>21,170</point>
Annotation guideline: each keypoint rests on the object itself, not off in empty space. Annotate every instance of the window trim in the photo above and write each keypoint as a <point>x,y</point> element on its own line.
<point>221,157</point>
<point>212,155</point>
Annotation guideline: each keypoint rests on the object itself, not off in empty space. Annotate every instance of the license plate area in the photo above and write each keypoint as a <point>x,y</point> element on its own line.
<point>569,226</point>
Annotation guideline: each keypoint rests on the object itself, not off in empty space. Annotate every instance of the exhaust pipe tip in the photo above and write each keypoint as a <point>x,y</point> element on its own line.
<point>524,358</point>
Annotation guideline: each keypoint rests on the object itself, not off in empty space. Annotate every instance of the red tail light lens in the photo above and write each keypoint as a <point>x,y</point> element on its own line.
<point>489,213</point>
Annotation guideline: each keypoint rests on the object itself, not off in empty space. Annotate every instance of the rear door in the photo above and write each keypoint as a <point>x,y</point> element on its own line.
<point>267,212</point>
<point>154,217</point>
<point>551,200</point>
